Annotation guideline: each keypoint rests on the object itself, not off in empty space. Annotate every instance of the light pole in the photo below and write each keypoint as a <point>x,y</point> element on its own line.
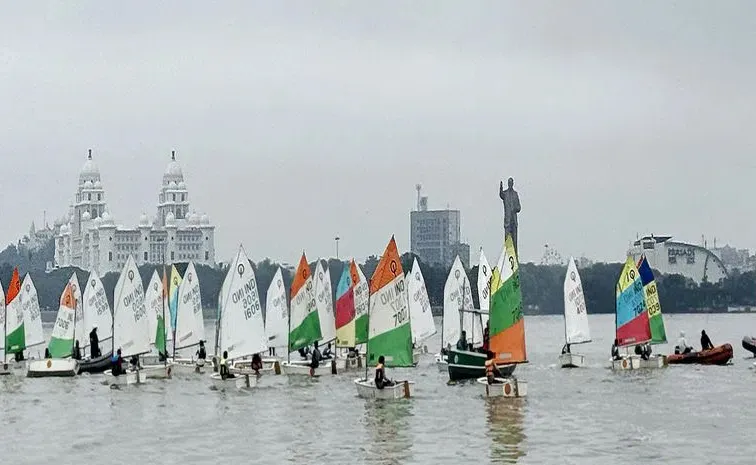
<point>337,238</point>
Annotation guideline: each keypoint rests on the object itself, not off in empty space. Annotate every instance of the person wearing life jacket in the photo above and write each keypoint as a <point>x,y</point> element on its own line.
<point>201,354</point>
<point>380,374</point>
<point>315,359</point>
<point>94,343</point>
<point>223,369</point>
<point>486,339</point>
<point>116,363</point>
<point>462,342</point>
<point>327,353</point>
<point>76,351</point>
<point>615,350</point>
<point>492,371</point>
<point>682,346</point>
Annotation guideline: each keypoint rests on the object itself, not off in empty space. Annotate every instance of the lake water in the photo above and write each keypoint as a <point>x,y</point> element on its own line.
<point>679,415</point>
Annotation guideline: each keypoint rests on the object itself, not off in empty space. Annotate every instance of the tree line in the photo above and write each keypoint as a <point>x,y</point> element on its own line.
<point>542,285</point>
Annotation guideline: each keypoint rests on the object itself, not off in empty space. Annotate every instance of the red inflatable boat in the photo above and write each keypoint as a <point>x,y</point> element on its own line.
<point>719,355</point>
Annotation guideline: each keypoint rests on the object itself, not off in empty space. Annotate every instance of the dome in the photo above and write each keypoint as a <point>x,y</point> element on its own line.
<point>144,220</point>
<point>88,185</point>
<point>107,220</point>
<point>172,184</point>
<point>90,171</point>
<point>193,218</point>
<point>98,184</point>
<point>173,171</point>
<point>97,222</point>
<point>106,216</point>
<point>182,185</point>
<point>170,219</point>
<point>86,216</point>
<point>205,219</point>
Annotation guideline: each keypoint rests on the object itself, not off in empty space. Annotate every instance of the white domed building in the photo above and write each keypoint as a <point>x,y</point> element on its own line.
<point>90,239</point>
<point>674,257</point>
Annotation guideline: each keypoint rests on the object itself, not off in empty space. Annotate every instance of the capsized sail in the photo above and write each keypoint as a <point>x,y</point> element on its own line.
<point>190,325</point>
<point>61,341</point>
<point>506,322</point>
<point>576,329</point>
<point>421,316</point>
<point>324,302</point>
<point>277,312</point>
<point>389,329</point>
<point>131,326</point>
<point>650,293</point>
<point>97,309</point>
<point>484,285</point>
<point>15,335</point>
<point>32,316</point>
<point>345,311</point>
<point>242,329</point>
<point>631,312</point>
<point>305,323</point>
<point>361,299</point>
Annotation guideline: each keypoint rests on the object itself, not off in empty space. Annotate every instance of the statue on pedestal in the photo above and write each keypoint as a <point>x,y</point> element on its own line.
<point>511,201</point>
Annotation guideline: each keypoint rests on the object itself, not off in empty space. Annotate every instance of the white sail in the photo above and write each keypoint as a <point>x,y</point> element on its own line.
<point>421,317</point>
<point>97,309</point>
<point>242,330</point>
<point>324,302</point>
<point>277,312</point>
<point>361,294</point>
<point>576,329</point>
<point>484,284</point>
<point>190,326</point>
<point>153,299</point>
<point>32,317</point>
<point>458,295</point>
<point>131,326</point>
<point>2,316</point>
<point>80,334</point>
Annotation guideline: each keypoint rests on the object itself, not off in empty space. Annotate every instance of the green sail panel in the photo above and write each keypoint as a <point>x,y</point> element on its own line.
<point>16,341</point>
<point>395,345</point>
<point>306,333</point>
<point>160,335</point>
<point>60,348</point>
<point>361,329</point>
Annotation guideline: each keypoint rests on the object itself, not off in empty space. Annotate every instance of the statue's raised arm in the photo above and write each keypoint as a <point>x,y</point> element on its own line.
<point>511,201</point>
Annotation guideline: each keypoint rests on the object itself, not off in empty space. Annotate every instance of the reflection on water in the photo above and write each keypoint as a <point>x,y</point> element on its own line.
<point>505,429</point>
<point>387,425</point>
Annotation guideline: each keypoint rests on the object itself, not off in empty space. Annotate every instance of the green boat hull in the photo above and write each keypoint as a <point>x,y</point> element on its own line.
<point>472,365</point>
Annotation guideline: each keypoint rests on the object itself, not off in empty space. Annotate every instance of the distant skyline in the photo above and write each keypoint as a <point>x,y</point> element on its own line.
<point>297,122</point>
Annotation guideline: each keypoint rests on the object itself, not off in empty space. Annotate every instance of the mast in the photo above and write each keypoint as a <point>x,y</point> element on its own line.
<point>74,323</point>
<point>367,340</point>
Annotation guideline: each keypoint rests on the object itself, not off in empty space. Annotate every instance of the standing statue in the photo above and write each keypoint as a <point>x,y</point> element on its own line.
<point>511,208</point>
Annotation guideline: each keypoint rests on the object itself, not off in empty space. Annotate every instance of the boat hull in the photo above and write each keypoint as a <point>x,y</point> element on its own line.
<point>158,371</point>
<point>441,362</point>
<point>505,387</point>
<point>720,355</point>
<point>463,364</point>
<point>95,365</point>
<point>366,389</point>
<point>239,381</point>
<point>126,379</point>
<point>749,344</point>
<point>633,362</point>
<point>53,367</point>
<point>299,369</point>
<point>571,360</point>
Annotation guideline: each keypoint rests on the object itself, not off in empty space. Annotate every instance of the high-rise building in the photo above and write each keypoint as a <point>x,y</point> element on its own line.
<point>435,234</point>
<point>87,237</point>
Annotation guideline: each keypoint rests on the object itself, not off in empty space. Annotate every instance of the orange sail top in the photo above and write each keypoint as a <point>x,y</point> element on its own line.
<point>303,272</point>
<point>13,288</point>
<point>354,274</point>
<point>388,268</point>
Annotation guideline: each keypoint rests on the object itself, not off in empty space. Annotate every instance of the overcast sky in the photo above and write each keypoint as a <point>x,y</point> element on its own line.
<point>295,121</point>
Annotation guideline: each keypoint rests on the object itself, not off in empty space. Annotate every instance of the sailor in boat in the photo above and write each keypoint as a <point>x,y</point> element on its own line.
<point>77,351</point>
<point>566,349</point>
<point>615,350</point>
<point>486,338</point>
<point>201,354</point>
<point>223,370</point>
<point>492,371</point>
<point>47,353</point>
<point>380,374</point>
<point>462,343</point>
<point>682,346</point>
<point>353,352</point>
<point>19,356</point>
<point>94,343</point>
<point>271,351</point>
<point>304,352</point>
<point>116,363</point>
<point>705,341</point>
<point>257,364</point>
<point>644,350</point>
<point>327,353</point>
<point>134,363</point>
<point>315,360</point>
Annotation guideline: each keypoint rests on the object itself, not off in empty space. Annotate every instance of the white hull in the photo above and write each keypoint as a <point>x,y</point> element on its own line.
<point>634,362</point>
<point>571,360</point>
<point>441,363</point>
<point>244,366</point>
<point>505,387</point>
<point>332,366</point>
<point>187,366</point>
<point>416,357</point>
<point>298,369</point>
<point>126,379</point>
<point>53,367</point>
<point>239,381</point>
<point>160,371</point>
<point>367,390</point>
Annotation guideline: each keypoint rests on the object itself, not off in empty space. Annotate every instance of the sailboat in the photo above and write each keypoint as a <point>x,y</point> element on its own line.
<point>131,326</point>
<point>326,314</point>
<point>241,329</point>
<point>389,329</point>
<point>153,366</point>
<point>576,330</point>
<point>304,321</point>
<point>15,334</point>
<point>60,348</point>
<point>506,324</point>
<point>346,314</point>
<point>189,323</point>
<point>32,317</point>
<point>423,326</point>
<point>655,318</point>
<point>97,314</point>
<point>361,289</point>
<point>632,319</point>
<point>276,321</point>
